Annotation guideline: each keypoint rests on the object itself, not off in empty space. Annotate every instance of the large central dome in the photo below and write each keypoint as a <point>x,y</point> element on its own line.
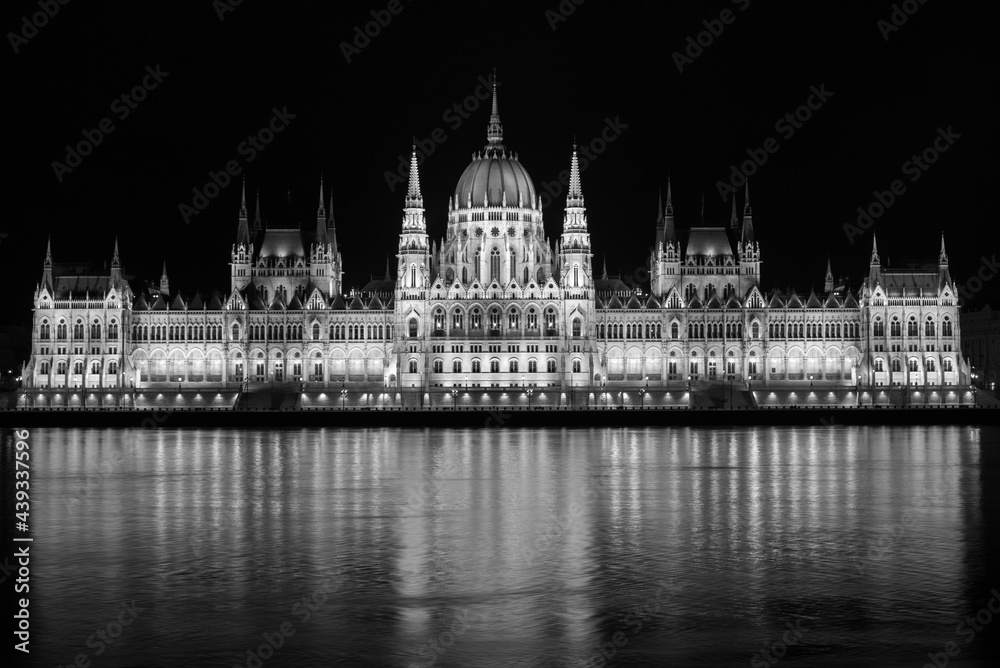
<point>495,177</point>
<point>491,176</point>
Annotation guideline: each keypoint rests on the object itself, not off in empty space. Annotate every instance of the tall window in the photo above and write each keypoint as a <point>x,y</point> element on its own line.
<point>929,328</point>
<point>476,366</point>
<point>513,366</point>
<point>576,366</point>
<point>576,327</point>
<point>550,366</point>
<point>315,330</point>
<point>495,264</point>
<point>532,366</point>
<point>413,366</point>
<point>911,327</point>
<point>895,328</point>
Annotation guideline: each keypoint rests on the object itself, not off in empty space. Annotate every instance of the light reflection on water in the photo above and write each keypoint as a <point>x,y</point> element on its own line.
<point>512,547</point>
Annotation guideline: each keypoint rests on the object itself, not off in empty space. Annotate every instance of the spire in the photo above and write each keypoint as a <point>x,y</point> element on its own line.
<point>575,195</point>
<point>414,200</point>
<point>321,237</point>
<point>747,237</point>
<point>944,273</point>
<point>47,266</point>
<point>703,208</point>
<point>659,208</point>
<point>164,281</point>
<point>733,220</point>
<point>943,255</point>
<point>875,266</point>
<point>874,260</point>
<point>604,273</point>
<point>242,229</point>
<point>669,233</point>
<point>116,266</point>
<point>494,133</point>
<point>243,200</point>
<point>387,274</point>
<point>828,282</point>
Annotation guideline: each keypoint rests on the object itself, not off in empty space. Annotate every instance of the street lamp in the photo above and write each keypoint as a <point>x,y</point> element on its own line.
<point>454,398</point>
<point>810,382</point>
<point>604,388</point>
<point>529,393</point>
<point>642,398</point>
<point>343,399</point>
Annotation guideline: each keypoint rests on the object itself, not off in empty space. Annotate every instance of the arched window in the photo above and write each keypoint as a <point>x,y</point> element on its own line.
<point>413,275</point>
<point>896,366</point>
<point>877,366</point>
<point>550,365</point>
<point>929,364</point>
<point>438,366</point>
<point>113,367</point>
<point>576,366</point>
<point>236,332</point>
<point>95,330</point>
<point>413,328</point>
<point>476,366</point>
<point>78,330</point>
<point>913,365</point>
<point>495,264</point>
<point>895,327</point>
<point>755,330</point>
<point>946,327</point>
<point>513,366</point>
<point>576,327</point>
<point>456,366</point>
<point>911,327</point>
<point>946,364</point>
<point>929,327</point>
<point>61,330</point>
<point>413,366</point>
<point>315,330</point>
<point>43,331</point>
<point>494,365</point>
<point>673,330</point>
<point>878,329</point>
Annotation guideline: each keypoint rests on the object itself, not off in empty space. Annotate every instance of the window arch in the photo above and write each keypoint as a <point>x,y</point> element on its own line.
<point>495,264</point>
<point>413,328</point>
<point>513,366</point>
<point>946,327</point>
<point>896,365</point>
<point>911,327</point>
<point>576,326</point>
<point>236,332</point>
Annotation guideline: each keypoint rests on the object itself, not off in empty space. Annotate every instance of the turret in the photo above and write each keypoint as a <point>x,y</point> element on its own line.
<point>574,253</point>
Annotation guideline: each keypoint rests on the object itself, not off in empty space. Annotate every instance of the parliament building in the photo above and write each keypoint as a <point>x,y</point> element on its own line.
<point>497,312</point>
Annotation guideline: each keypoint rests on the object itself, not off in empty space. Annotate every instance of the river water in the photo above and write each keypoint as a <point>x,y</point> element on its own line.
<point>824,546</point>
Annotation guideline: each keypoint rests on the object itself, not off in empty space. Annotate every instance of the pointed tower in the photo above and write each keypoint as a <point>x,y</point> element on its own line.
<point>828,281</point>
<point>242,254</point>
<point>494,132</point>
<point>874,265</point>
<point>47,280</point>
<point>116,267</point>
<point>749,250</point>
<point>165,282</point>
<point>574,261</point>
<point>944,274</point>
<point>665,266</point>
<point>320,254</point>
<point>414,267</point>
<point>734,222</point>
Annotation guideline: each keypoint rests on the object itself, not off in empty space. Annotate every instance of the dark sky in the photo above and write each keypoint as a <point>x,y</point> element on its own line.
<point>605,60</point>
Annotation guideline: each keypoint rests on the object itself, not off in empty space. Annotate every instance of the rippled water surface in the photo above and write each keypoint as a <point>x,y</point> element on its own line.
<point>686,547</point>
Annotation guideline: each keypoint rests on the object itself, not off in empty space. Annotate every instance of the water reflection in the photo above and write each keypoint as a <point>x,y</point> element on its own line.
<point>511,547</point>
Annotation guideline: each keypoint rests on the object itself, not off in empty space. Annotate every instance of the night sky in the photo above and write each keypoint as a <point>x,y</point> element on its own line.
<point>561,76</point>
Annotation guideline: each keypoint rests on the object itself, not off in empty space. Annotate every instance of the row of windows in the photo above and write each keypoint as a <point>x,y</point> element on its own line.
<point>176,333</point>
<point>814,330</point>
<point>513,366</point>
<point>95,367</point>
<point>912,328</point>
<point>79,331</point>
<point>913,365</point>
<point>691,291</point>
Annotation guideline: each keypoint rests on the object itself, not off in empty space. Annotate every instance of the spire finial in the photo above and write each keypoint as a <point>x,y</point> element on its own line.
<point>746,207</point>
<point>322,210</point>
<point>48,250</point>
<point>114,259</point>
<point>659,207</point>
<point>943,256</point>
<point>670,199</point>
<point>494,133</point>
<point>256,212</point>
<point>733,221</point>
<point>875,259</point>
